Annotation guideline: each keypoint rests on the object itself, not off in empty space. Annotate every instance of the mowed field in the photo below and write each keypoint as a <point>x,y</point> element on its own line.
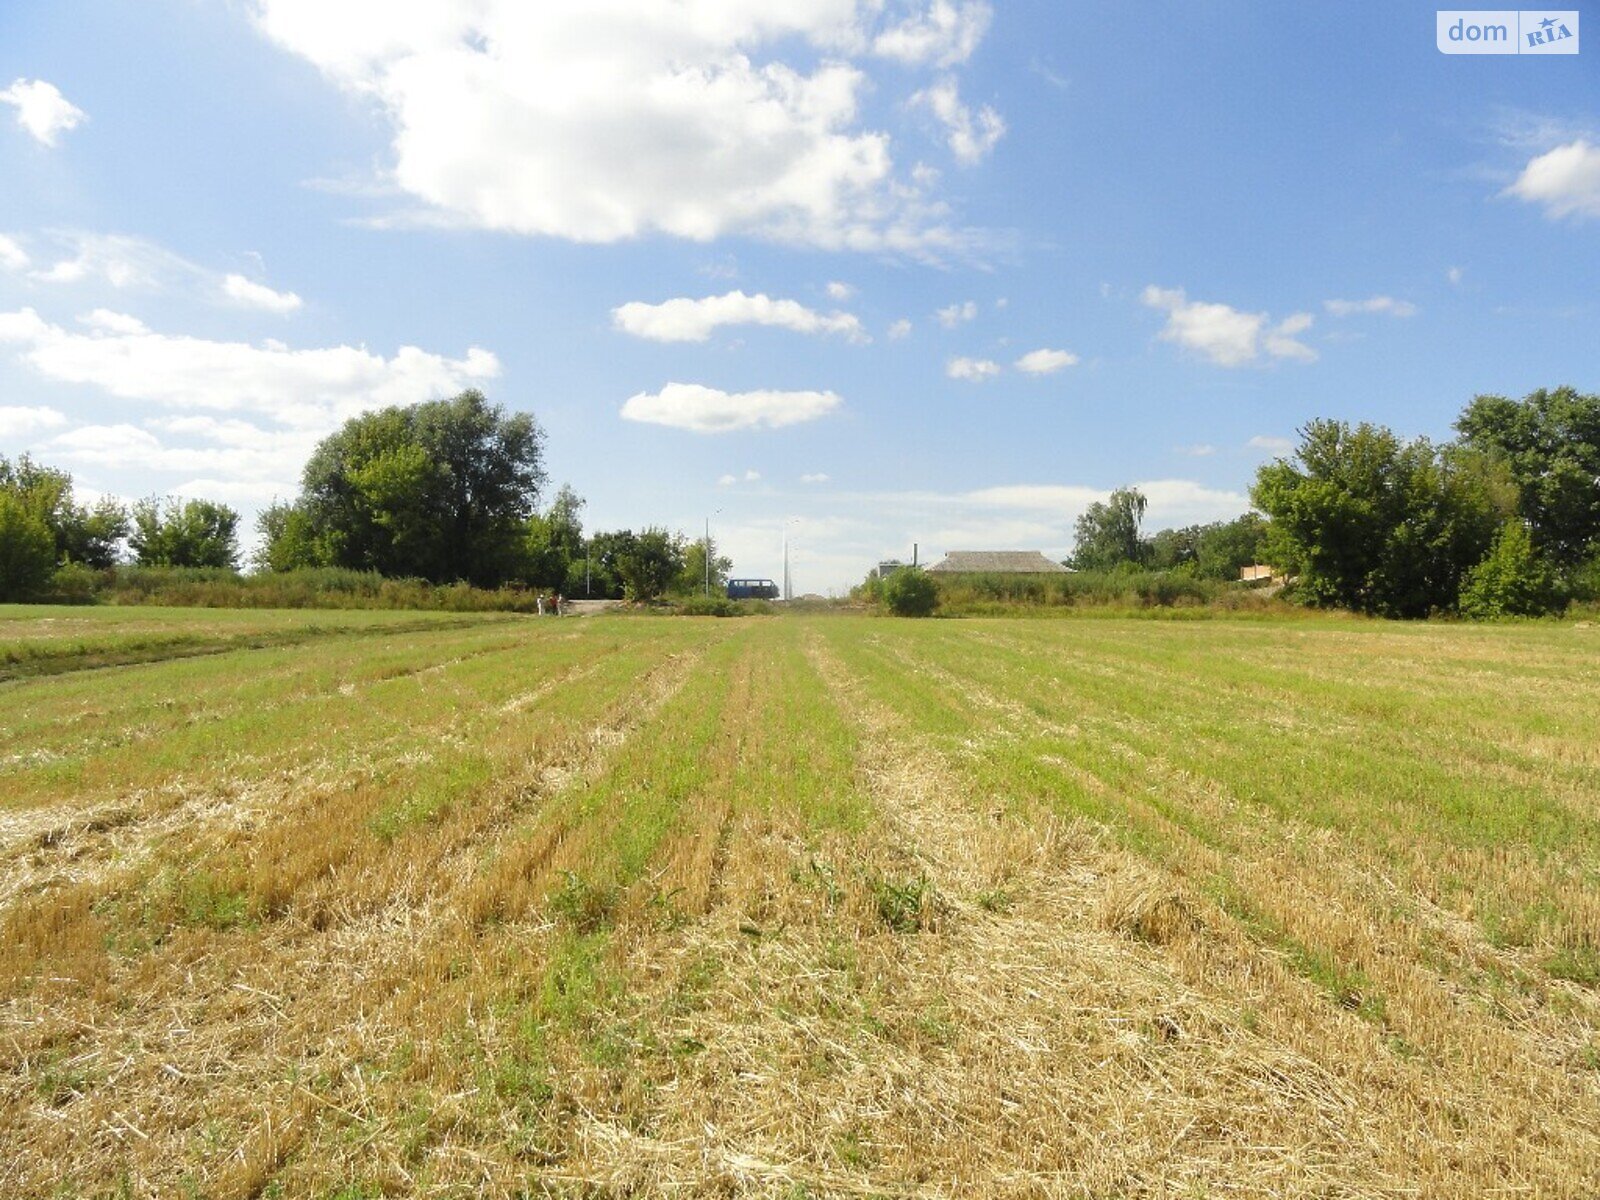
<point>387,904</point>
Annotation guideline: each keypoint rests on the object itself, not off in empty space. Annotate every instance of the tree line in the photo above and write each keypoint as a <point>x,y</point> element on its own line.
<point>445,492</point>
<point>1504,520</point>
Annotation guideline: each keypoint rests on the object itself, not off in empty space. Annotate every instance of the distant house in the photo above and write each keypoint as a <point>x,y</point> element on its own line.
<point>996,562</point>
<point>888,567</point>
<point>1256,573</point>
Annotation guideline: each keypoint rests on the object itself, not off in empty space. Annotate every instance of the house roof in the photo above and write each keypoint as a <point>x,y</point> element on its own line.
<point>997,562</point>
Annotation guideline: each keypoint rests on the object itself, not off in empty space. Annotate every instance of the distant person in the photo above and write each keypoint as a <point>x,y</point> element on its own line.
<point>539,601</point>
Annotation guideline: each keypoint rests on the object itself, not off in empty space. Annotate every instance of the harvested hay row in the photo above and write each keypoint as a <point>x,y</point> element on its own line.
<point>786,908</point>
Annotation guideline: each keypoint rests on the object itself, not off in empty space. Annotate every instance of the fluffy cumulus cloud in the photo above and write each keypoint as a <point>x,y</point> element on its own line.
<point>701,409</point>
<point>970,137</point>
<point>972,370</point>
<point>312,389</point>
<point>814,477</point>
<point>249,294</point>
<point>246,412</point>
<point>899,329</point>
<point>1225,335</point>
<point>686,320</point>
<point>840,291</point>
<point>730,479</point>
<point>18,421</point>
<point>42,110</point>
<point>1386,305</point>
<point>601,120</point>
<point>1046,362</point>
<point>944,34</point>
<point>1565,181</point>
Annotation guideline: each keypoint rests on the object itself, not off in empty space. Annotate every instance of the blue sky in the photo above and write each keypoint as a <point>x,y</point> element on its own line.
<point>786,270</point>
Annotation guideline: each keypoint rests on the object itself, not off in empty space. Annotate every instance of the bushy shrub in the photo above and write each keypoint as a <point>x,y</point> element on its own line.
<point>911,593</point>
<point>75,584</point>
<point>1513,580</point>
<point>313,587</point>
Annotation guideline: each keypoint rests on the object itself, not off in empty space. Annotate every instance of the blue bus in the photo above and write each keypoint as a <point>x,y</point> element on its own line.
<point>752,589</point>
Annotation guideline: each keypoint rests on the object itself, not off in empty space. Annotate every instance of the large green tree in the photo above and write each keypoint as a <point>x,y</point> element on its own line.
<point>442,491</point>
<point>1108,532</point>
<point>1370,522</point>
<point>1213,551</point>
<point>184,533</point>
<point>27,551</point>
<point>1550,440</point>
<point>649,565</point>
<point>90,535</point>
<point>698,576</point>
<point>554,542</point>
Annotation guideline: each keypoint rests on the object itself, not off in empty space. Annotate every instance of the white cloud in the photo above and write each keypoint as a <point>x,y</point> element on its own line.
<point>747,477</point>
<point>1566,181</point>
<point>701,409</point>
<point>1386,305</point>
<point>900,329</point>
<point>130,263</point>
<point>840,291</point>
<point>972,370</point>
<point>954,314</point>
<point>18,422</point>
<point>1171,500</point>
<point>304,390</point>
<point>944,34</point>
<point>1049,497</point>
<point>1273,445</point>
<point>107,321</point>
<point>12,256</point>
<point>42,110</point>
<point>970,139</point>
<point>117,259</point>
<point>814,477</point>
<point>233,461</point>
<point>258,295</point>
<point>1455,275</point>
<point>1225,335</point>
<point>1046,362</point>
<point>686,320</point>
<point>603,120</point>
